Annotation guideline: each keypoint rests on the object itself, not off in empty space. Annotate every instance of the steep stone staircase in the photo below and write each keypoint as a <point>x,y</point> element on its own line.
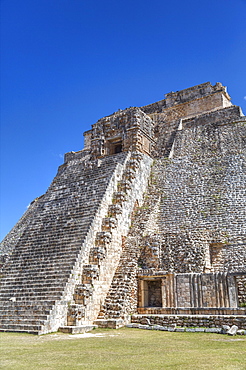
<point>38,279</point>
<point>121,300</point>
<point>65,259</point>
<point>105,254</point>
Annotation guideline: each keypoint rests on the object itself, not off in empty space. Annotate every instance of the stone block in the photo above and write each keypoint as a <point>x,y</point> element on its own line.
<point>180,330</point>
<point>225,329</point>
<point>77,329</point>
<point>157,327</point>
<point>213,330</point>
<point>171,328</point>
<point>241,332</point>
<point>129,326</point>
<point>164,328</point>
<point>143,326</point>
<point>233,330</point>
<point>199,330</point>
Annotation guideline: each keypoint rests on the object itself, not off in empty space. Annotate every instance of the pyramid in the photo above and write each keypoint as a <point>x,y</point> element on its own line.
<point>147,219</point>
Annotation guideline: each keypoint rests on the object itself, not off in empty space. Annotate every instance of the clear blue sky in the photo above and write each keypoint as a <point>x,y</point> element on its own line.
<point>67,63</point>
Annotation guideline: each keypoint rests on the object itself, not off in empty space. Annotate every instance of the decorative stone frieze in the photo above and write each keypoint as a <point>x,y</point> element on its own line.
<point>90,273</point>
<point>119,197</point>
<point>137,156</point>
<point>75,314</point>
<point>133,163</point>
<point>82,293</point>
<point>103,238</point>
<point>97,254</point>
<point>124,186</point>
<point>109,223</point>
<point>129,174</point>
<point>114,210</point>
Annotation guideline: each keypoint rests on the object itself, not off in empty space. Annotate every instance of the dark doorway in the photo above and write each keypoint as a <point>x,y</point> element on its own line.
<point>154,293</point>
<point>118,148</point>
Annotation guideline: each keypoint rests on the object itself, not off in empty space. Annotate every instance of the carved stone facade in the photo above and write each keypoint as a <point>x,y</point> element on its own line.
<point>149,218</point>
<point>126,130</point>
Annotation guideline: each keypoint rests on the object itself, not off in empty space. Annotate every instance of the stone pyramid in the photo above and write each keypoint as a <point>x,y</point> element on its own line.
<point>147,219</point>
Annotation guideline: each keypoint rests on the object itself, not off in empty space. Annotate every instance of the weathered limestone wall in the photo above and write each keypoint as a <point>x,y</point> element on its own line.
<point>188,320</point>
<point>175,118</point>
<point>194,107</point>
<point>203,191</point>
<point>191,101</point>
<point>219,117</point>
<point>187,290</point>
<point>172,232</point>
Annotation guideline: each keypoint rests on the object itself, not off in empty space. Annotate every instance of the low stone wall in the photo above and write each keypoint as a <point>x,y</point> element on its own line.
<point>207,321</point>
<point>191,311</point>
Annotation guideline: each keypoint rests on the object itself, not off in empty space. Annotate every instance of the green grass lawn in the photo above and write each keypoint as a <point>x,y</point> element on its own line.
<point>123,349</point>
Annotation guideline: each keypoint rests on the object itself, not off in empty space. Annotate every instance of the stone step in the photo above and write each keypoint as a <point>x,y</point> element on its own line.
<point>79,230</point>
<point>69,232</point>
<point>32,329</point>
<point>39,267</point>
<point>39,271</point>
<point>32,279</point>
<point>29,285</point>
<point>49,274</point>
<point>77,329</point>
<point>20,283</point>
<point>17,320</point>
<point>32,305</point>
<point>16,284</point>
<point>23,312</point>
<point>31,276</point>
<point>41,291</point>
<point>44,254</point>
<point>29,297</point>
<point>41,259</point>
<point>27,291</point>
<point>10,315</point>
<point>51,249</point>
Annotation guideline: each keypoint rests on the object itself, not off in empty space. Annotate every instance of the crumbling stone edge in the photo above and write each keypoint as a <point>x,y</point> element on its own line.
<point>225,329</point>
